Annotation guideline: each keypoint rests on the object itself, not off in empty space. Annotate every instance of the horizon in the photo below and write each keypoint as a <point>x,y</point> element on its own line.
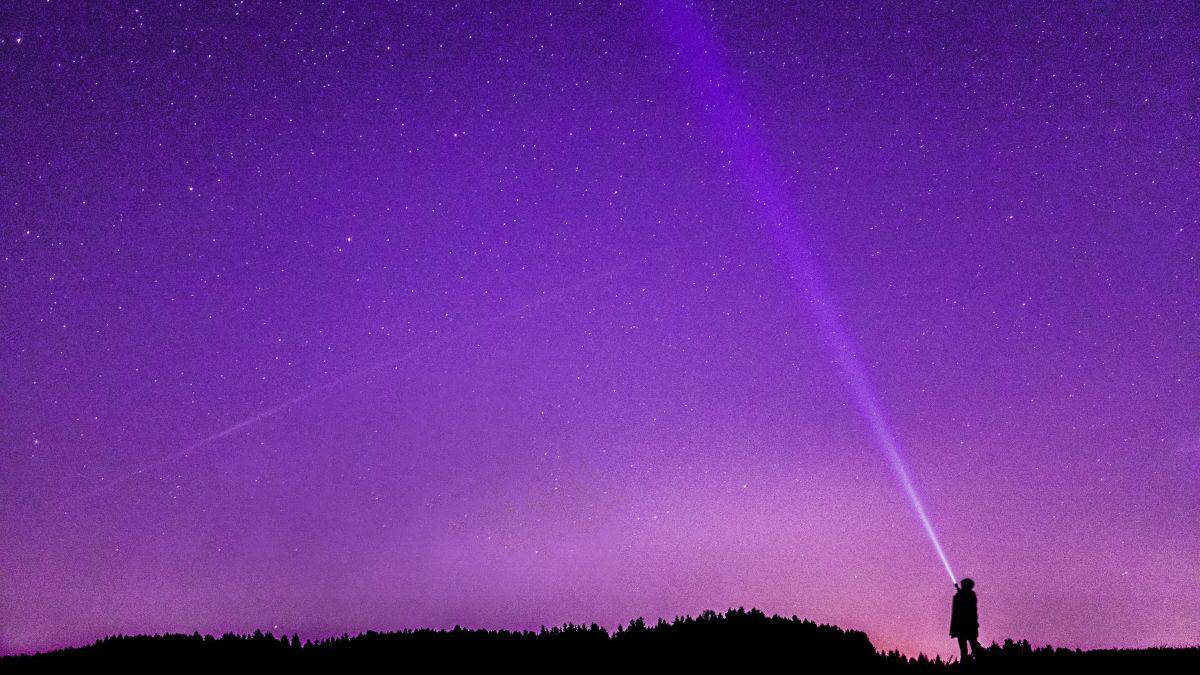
<point>610,631</point>
<point>379,315</point>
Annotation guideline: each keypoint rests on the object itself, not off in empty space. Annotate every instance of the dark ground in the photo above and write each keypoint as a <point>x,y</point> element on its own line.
<point>711,641</point>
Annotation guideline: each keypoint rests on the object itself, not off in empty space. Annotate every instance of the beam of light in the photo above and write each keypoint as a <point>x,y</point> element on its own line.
<point>700,55</point>
<point>278,408</point>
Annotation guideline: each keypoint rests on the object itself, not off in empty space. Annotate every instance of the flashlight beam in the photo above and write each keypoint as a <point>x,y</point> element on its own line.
<point>700,54</point>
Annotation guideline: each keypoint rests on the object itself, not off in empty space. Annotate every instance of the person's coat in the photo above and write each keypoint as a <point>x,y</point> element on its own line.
<point>964,615</point>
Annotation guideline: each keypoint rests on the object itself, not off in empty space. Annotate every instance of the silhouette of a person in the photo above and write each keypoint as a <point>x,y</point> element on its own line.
<point>964,619</point>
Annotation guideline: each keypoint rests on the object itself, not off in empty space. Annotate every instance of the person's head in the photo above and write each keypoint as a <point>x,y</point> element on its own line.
<point>967,584</point>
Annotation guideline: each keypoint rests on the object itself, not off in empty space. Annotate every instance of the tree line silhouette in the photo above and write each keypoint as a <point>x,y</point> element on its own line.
<point>738,636</point>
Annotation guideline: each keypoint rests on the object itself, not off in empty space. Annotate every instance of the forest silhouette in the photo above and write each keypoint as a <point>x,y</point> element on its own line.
<point>737,637</point>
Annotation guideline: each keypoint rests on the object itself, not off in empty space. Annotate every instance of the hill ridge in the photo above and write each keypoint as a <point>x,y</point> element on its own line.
<point>741,635</point>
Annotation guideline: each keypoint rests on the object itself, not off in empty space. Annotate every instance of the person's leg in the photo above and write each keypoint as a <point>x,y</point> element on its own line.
<point>962,647</point>
<point>975,647</point>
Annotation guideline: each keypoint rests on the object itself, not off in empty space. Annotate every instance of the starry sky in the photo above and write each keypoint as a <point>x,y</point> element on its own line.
<point>330,317</point>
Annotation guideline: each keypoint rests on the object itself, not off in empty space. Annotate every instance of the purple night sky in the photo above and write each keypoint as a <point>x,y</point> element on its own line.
<point>326,318</point>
